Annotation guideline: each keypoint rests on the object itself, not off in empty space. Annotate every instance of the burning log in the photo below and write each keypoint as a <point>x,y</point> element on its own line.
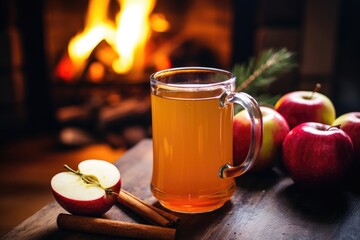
<point>123,123</point>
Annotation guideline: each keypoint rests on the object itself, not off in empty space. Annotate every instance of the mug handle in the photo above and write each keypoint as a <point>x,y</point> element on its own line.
<point>252,107</point>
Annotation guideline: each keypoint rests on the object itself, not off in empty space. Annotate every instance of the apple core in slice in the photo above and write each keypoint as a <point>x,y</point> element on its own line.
<point>106,172</point>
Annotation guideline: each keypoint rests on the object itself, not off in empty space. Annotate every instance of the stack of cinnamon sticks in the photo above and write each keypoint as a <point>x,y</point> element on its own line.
<point>165,229</point>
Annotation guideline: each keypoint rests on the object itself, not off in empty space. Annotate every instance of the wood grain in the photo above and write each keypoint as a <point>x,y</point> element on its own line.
<point>266,206</point>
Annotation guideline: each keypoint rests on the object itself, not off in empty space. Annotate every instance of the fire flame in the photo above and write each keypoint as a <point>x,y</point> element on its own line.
<point>97,28</point>
<point>127,35</point>
<point>132,34</point>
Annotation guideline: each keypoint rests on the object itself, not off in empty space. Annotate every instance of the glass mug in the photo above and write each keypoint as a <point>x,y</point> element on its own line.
<point>192,124</point>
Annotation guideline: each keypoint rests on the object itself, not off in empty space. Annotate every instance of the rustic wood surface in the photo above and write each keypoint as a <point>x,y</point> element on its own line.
<point>265,206</point>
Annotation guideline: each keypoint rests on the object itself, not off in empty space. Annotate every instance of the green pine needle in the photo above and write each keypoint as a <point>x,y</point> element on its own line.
<point>262,71</point>
<point>256,77</point>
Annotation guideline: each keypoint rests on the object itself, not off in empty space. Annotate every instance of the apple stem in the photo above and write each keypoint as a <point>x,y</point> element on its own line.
<point>316,89</point>
<point>72,170</point>
<point>336,126</point>
<point>90,179</point>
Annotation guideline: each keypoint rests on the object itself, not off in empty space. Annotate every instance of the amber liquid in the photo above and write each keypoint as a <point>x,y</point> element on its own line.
<point>192,139</point>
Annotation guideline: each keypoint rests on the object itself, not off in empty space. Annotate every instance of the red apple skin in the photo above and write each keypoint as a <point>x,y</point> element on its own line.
<point>317,155</point>
<point>350,123</point>
<point>97,207</point>
<point>275,128</point>
<point>299,107</point>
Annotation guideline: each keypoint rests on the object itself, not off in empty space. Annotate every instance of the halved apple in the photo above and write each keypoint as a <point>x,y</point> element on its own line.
<point>78,196</point>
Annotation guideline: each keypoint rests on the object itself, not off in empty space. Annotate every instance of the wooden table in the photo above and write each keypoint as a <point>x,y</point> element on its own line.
<point>266,206</point>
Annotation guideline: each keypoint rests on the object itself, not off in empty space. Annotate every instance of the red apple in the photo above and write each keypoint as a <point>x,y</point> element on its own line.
<point>275,129</point>
<point>317,155</point>
<point>305,106</point>
<point>350,123</point>
<point>78,197</point>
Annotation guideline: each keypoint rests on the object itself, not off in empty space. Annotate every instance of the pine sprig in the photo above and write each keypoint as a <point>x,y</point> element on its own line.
<point>260,72</point>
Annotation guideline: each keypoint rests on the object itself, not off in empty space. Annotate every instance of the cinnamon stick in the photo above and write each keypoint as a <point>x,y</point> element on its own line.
<point>143,209</point>
<point>112,227</point>
<point>171,217</point>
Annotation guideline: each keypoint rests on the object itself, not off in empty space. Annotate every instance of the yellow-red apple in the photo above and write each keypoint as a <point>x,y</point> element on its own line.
<point>350,123</point>
<point>305,106</point>
<point>275,129</point>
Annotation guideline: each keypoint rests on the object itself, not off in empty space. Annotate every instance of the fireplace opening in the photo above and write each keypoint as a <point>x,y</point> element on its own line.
<point>101,54</point>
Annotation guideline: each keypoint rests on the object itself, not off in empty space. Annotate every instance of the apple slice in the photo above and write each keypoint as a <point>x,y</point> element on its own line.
<point>92,190</point>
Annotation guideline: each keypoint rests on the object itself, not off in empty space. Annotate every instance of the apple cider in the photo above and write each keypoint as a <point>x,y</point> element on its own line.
<point>192,139</point>
<point>192,125</point>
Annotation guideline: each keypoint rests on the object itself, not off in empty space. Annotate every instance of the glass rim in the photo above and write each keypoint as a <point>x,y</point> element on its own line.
<point>228,80</point>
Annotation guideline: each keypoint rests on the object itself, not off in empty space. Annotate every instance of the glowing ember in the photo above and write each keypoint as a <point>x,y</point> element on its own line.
<point>159,23</point>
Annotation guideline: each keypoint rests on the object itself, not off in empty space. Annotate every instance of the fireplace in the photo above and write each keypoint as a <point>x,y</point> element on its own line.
<point>102,93</point>
<point>106,93</point>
